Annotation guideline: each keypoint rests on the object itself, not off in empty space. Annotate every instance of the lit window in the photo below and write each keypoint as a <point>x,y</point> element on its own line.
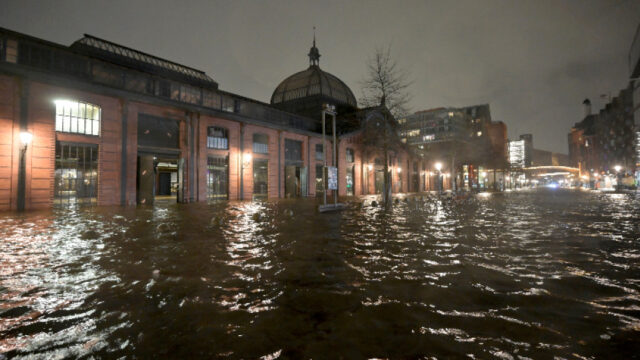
<point>76,117</point>
<point>350,155</point>
<point>429,137</point>
<point>217,138</point>
<point>319,152</point>
<point>260,144</point>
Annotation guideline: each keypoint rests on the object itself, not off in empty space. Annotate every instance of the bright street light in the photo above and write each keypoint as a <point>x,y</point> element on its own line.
<point>438,166</point>
<point>25,138</point>
<point>617,168</point>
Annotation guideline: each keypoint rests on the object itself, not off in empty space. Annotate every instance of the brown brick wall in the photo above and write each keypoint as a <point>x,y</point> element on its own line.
<point>9,105</point>
<point>40,157</point>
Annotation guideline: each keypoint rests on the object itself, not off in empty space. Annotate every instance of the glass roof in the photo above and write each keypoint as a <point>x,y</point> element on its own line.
<point>129,55</point>
<point>310,82</point>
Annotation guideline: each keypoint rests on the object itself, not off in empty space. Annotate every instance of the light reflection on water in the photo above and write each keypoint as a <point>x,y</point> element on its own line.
<point>523,274</point>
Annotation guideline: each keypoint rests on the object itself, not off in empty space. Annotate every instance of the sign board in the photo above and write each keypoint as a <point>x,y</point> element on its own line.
<point>332,178</point>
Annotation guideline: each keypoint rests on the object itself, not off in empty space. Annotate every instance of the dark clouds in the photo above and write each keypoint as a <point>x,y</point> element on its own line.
<point>533,61</point>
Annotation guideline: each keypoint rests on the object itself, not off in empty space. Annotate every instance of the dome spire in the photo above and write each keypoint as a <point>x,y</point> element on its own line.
<point>314,53</point>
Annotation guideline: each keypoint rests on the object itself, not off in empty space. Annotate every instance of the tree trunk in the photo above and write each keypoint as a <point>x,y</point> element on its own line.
<point>385,189</point>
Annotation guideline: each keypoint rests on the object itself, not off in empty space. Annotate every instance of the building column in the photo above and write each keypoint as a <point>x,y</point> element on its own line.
<point>22,168</point>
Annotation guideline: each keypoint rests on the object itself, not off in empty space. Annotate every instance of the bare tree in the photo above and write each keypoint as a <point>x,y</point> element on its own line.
<point>385,86</point>
<point>385,83</point>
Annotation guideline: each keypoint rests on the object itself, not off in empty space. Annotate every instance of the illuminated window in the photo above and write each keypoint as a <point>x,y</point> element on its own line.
<point>319,152</point>
<point>217,138</point>
<point>429,137</point>
<point>413,133</point>
<point>76,117</point>
<point>260,144</point>
<point>350,155</point>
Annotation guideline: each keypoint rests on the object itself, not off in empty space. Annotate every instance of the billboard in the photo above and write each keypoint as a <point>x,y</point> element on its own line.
<point>332,178</point>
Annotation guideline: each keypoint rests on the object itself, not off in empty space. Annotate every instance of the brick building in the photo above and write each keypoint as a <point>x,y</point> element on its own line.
<point>112,125</point>
<point>602,141</point>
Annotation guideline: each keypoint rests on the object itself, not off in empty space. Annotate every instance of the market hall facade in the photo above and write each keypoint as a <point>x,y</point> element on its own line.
<point>99,123</point>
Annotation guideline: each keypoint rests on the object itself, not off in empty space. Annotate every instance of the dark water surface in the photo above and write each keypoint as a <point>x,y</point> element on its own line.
<point>531,274</point>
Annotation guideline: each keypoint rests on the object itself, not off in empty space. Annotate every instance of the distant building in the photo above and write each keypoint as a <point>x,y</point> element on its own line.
<point>517,154</point>
<point>548,158</point>
<point>528,148</point>
<point>464,140</point>
<point>604,140</point>
<point>497,131</point>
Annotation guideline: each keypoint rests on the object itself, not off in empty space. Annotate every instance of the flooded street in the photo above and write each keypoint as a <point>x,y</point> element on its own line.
<point>531,274</point>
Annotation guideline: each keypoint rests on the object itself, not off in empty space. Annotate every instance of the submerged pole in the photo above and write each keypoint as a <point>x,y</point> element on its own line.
<point>324,159</point>
<point>335,147</point>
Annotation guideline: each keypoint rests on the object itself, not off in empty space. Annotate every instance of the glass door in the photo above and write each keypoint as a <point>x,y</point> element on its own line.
<point>260,178</point>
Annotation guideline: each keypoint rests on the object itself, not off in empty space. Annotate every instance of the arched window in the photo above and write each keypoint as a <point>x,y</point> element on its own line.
<point>217,138</point>
<point>77,117</point>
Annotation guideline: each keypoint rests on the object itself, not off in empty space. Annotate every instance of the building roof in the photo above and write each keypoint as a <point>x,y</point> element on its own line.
<point>122,55</point>
<point>313,82</point>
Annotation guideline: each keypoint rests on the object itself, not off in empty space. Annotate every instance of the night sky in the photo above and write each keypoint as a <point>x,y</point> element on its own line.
<point>532,61</point>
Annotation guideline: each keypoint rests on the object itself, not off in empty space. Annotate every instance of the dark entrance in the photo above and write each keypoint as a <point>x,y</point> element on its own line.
<point>158,178</point>
<point>160,169</point>
<point>295,184</point>
<point>164,183</point>
<point>260,178</point>
<point>167,179</point>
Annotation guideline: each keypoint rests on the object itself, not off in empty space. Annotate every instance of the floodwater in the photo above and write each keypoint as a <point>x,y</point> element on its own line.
<point>531,274</point>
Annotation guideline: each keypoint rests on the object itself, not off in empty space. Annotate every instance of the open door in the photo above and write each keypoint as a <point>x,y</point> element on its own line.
<point>146,180</point>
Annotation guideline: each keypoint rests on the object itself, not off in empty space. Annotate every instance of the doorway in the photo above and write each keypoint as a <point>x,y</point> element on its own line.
<point>260,179</point>
<point>350,180</point>
<point>295,184</point>
<point>158,179</point>
<point>167,179</point>
<point>218,177</point>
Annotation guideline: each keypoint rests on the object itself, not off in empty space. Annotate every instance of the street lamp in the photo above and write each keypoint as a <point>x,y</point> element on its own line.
<point>618,168</point>
<point>438,166</point>
<point>25,139</point>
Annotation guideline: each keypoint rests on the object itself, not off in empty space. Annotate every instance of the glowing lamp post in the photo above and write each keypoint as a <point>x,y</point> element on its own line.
<point>438,167</point>
<point>25,139</point>
<point>617,168</point>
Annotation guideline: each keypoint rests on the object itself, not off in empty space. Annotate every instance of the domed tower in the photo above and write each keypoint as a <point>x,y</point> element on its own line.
<point>306,91</point>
